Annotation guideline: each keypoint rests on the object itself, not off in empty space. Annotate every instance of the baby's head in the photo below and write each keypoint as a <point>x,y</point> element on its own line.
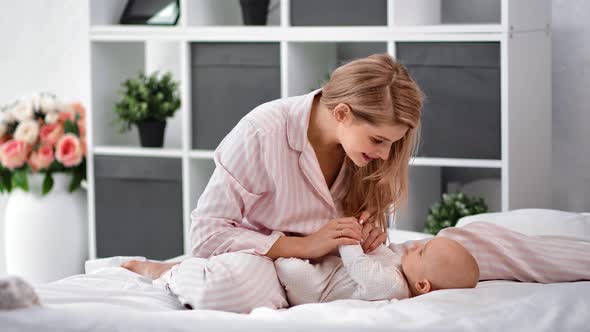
<point>441,263</point>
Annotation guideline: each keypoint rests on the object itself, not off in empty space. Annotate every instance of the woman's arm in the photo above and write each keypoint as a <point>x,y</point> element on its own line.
<point>287,246</point>
<point>335,233</point>
<point>239,180</point>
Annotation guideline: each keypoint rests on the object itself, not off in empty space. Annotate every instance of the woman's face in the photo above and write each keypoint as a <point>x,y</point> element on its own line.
<point>364,142</point>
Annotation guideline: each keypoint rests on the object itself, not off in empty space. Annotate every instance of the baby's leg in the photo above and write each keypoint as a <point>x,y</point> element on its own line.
<point>508,255</point>
<point>236,282</point>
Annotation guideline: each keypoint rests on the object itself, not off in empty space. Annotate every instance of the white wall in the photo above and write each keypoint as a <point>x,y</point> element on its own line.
<point>44,48</point>
<point>571,104</point>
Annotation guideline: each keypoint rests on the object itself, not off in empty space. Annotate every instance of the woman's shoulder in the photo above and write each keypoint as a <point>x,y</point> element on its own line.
<point>271,117</point>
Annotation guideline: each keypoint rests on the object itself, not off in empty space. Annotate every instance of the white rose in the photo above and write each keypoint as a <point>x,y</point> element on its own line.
<point>47,104</point>
<point>3,129</point>
<point>23,111</point>
<point>59,106</point>
<point>7,117</point>
<point>35,101</point>
<point>27,131</point>
<point>51,117</point>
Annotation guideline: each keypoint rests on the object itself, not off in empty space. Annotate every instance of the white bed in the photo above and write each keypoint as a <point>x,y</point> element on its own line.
<point>115,299</point>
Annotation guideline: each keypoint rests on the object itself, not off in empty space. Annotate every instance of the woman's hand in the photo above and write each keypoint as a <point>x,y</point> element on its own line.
<point>372,236</point>
<point>340,231</point>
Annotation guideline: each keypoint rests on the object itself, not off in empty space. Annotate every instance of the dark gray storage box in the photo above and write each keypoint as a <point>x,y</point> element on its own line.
<point>228,81</point>
<point>338,12</point>
<point>461,116</point>
<point>138,207</point>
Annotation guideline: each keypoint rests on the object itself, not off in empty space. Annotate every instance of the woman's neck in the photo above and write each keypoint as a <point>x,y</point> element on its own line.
<point>321,132</point>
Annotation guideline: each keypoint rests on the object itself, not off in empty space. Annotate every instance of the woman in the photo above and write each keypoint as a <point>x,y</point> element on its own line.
<point>296,175</point>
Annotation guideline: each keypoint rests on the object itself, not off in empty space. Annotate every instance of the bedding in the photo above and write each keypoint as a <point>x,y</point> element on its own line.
<point>115,299</point>
<point>538,222</point>
<point>110,298</point>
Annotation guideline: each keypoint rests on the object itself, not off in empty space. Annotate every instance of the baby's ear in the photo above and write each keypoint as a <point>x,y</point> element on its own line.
<point>423,286</point>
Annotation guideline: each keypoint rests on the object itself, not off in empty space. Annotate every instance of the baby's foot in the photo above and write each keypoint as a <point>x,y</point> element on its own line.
<point>148,269</point>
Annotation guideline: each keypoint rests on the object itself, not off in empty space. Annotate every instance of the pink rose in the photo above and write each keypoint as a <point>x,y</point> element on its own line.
<point>69,150</point>
<point>13,154</point>
<point>41,158</point>
<point>51,133</point>
<point>83,142</point>
<point>65,115</point>
<point>82,128</point>
<point>78,109</point>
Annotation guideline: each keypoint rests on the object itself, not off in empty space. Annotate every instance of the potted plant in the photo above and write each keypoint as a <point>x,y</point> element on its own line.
<point>42,168</point>
<point>147,101</point>
<point>450,209</point>
<point>254,12</point>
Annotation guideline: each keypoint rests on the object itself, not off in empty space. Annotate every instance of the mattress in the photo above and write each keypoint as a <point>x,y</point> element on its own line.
<point>115,299</point>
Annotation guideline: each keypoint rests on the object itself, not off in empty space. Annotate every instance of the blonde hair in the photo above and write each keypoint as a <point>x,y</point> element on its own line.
<point>378,90</point>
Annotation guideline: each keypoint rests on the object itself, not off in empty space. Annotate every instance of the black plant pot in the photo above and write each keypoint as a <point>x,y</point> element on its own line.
<point>254,12</point>
<point>151,133</point>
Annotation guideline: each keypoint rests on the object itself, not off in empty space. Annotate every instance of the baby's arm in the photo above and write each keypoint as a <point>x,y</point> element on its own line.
<point>377,274</point>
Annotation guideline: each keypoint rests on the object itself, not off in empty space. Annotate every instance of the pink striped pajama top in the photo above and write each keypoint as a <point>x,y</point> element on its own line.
<point>267,183</point>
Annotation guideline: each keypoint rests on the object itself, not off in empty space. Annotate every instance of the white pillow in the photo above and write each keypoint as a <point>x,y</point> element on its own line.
<point>537,222</point>
<point>401,236</point>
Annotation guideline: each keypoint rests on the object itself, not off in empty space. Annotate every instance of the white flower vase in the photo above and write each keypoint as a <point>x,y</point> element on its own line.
<point>46,236</point>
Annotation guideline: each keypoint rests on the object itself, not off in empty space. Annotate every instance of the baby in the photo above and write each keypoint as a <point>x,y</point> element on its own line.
<point>386,273</point>
<point>458,257</point>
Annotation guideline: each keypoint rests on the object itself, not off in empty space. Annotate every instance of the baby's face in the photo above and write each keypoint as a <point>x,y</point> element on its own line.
<point>415,260</point>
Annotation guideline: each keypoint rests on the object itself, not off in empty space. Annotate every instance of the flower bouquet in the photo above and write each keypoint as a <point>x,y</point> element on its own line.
<point>41,135</point>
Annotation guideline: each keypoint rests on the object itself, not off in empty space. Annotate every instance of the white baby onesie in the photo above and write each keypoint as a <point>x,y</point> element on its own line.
<point>354,275</point>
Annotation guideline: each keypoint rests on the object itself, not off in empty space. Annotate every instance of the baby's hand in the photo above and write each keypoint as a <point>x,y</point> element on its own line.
<point>372,236</point>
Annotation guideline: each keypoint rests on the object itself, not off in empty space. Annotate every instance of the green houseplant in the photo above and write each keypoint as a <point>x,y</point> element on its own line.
<point>147,101</point>
<point>450,209</point>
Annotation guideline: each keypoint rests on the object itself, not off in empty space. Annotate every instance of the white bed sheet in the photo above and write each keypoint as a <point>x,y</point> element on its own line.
<point>115,299</point>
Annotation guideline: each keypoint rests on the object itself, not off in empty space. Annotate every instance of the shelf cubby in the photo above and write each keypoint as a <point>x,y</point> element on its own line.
<point>112,64</point>
<point>225,13</point>
<point>428,183</point>
<point>228,80</point>
<point>444,12</point>
<point>138,206</point>
<point>462,113</point>
<point>338,13</point>
<point>310,63</point>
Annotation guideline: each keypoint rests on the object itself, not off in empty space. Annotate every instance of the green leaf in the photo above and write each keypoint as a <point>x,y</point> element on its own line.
<point>450,209</point>
<point>47,183</point>
<point>70,128</point>
<point>76,180</point>
<point>19,179</point>
<point>146,97</point>
<point>7,180</point>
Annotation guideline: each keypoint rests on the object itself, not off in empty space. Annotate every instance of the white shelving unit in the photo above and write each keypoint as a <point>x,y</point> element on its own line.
<point>307,53</point>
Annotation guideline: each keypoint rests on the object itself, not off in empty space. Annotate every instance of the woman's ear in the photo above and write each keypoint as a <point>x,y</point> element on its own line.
<point>342,112</point>
<point>423,286</point>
